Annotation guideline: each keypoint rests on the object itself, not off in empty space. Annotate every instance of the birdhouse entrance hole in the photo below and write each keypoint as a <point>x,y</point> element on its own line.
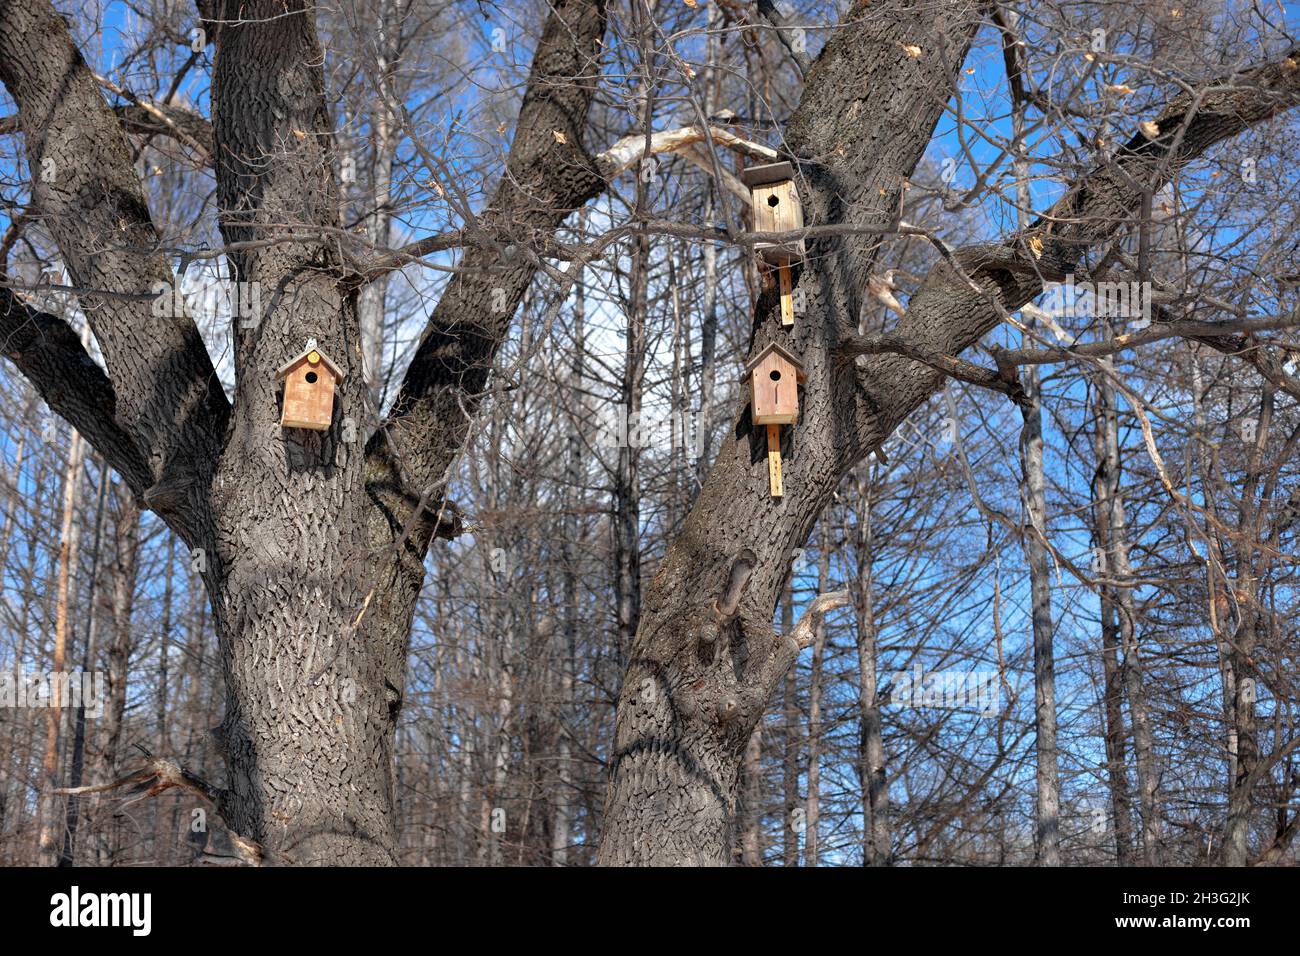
<point>311,378</point>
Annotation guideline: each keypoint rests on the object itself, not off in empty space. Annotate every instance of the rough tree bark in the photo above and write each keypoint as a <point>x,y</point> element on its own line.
<point>699,678</point>
<point>703,667</point>
<point>311,546</point>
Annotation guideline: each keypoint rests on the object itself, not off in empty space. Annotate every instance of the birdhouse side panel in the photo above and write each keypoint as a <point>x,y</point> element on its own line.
<point>775,392</point>
<point>308,398</point>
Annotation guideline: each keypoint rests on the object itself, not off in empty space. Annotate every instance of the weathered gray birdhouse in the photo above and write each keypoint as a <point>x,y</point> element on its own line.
<point>774,378</point>
<point>309,381</point>
<point>776,208</point>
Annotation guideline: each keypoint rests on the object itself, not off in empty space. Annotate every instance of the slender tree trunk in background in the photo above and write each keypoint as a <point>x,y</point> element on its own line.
<point>627,476</point>
<point>1236,836</point>
<point>709,309</point>
<point>162,843</point>
<point>1216,585</point>
<point>1236,846</point>
<point>1118,567</point>
<point>678,497</point>
<point>495,818</point>
<point>1048,830</point>
<point>812,846</point>
<point>45,605</point>
<point>51,835</point>
<point>11,504</point>
<point>573,482</point>
<point>877,840</point>
<point>790,743</point>
<point>1034,538</point>
<point>372,300</point>
<point>9,795</point>
<point>1115,735</point>
<point>540,737</point>
<point>68,855</point>
<point>124,572</point>
<point>751,827</point>
<point>708,349</point>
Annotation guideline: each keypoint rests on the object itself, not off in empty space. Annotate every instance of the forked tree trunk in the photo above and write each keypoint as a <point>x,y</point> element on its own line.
<point>698,682</point>
<point>311,544</point>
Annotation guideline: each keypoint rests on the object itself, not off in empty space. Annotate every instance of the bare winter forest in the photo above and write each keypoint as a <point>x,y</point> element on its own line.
<point>394,468</point>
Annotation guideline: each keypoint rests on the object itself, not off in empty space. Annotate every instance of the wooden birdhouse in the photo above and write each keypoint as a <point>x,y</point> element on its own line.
<point>776,208</point>
<point>309,380</point>
<point>774,378</point>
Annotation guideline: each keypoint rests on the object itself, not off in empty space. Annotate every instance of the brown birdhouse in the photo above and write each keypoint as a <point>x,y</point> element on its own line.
<point>309,380</point>
<point>776,208</point>
<point>774,378</point>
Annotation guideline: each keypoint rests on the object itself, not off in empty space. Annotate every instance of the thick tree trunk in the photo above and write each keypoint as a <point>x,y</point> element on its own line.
<point>311,544</point>
<point>698,682</point>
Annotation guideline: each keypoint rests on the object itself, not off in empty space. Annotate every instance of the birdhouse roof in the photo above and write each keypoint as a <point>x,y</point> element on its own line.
<point>783,353</point>
<point>288,366</point>
<point>767,173</point>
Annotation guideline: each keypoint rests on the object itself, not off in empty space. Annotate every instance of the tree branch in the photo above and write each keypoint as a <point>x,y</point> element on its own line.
<point>965,297</point>
<point>548,175</point>
<point>50,355</point>
<point>88,196</point>
<point>768,11</point>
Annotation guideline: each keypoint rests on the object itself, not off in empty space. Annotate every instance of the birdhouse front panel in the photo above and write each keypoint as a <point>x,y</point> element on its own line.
<point>776,208</point>
<point>309,394</point>
<point>774,382</point>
